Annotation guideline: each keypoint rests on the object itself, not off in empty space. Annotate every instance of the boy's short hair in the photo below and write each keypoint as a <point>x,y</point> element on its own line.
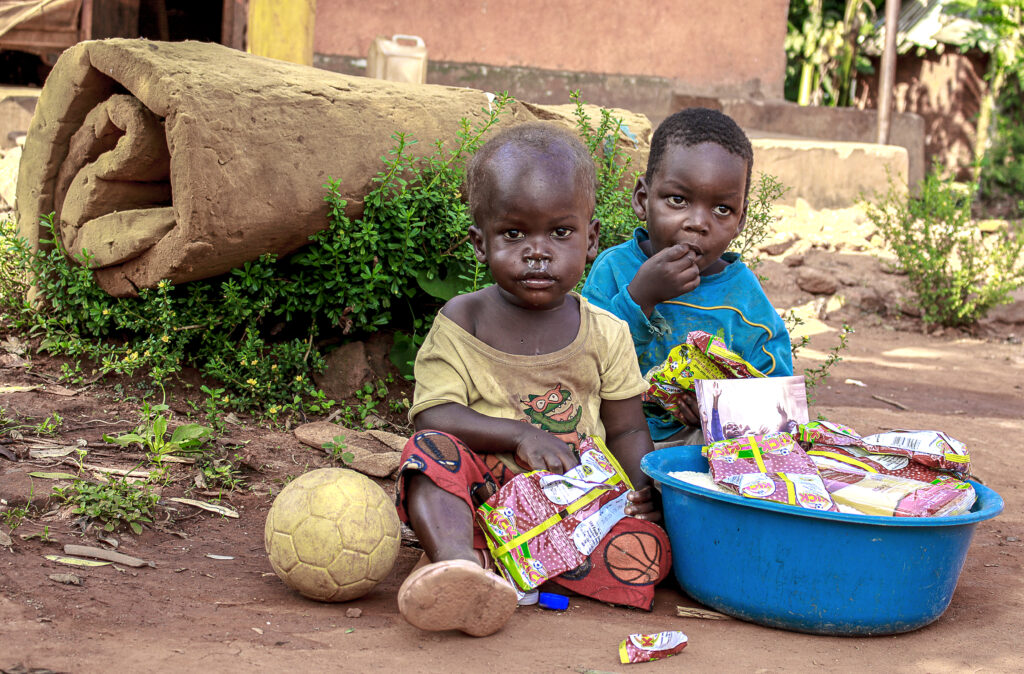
<point>694,126</point>
<point>543,137</point>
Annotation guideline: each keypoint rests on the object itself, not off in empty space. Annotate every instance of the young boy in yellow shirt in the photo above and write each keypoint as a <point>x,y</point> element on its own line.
<point>511,378</point>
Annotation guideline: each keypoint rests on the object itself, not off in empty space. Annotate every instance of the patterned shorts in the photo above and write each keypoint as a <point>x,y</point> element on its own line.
<point>623,569</point>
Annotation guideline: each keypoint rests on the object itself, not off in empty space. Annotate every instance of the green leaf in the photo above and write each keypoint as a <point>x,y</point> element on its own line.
<point>187,432</point>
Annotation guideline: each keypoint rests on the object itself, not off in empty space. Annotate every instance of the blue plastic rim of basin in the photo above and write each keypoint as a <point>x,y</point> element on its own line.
<point>811,571</point>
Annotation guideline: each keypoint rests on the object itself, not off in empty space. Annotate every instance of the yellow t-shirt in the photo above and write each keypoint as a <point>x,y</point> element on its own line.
<point>559,392</point>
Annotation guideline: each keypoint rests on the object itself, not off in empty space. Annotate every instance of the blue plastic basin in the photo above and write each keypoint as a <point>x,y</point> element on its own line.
<point>817,572</point>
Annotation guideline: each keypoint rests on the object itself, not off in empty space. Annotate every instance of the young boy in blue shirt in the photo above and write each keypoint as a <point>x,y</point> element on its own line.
<point>675,275</point>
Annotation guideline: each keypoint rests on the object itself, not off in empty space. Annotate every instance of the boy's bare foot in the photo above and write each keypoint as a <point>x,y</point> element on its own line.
<point>456,595</point>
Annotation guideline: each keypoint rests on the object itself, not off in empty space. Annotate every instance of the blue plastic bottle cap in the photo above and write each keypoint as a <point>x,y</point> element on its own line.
<point>554,602</point>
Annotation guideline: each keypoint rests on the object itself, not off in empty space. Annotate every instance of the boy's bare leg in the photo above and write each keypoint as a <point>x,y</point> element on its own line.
<point>454,591</point>
<point>442,521</point>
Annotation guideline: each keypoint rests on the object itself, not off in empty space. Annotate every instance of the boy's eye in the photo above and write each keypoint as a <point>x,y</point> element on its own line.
<point>722,210</point>
<point>562,232</point>
<point>513,234</point>
<point>677,200</point>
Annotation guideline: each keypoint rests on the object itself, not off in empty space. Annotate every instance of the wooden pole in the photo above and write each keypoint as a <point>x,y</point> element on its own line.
<point>888,78</point>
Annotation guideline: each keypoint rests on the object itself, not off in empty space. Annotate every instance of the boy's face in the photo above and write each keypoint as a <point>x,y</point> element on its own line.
<point>535,233</point>
<point>697,197</point>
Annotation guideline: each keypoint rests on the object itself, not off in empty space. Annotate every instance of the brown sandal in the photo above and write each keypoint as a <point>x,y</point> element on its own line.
<point>456,594</point>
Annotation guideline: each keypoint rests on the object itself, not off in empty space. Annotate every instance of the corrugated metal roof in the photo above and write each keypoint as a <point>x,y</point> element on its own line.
<point>923,23</point>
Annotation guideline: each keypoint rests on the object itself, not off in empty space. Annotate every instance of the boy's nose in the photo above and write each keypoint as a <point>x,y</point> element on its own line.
<point>698,220</point>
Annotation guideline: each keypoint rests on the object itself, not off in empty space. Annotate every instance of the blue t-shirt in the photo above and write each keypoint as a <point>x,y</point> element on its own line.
<point>730,303</point>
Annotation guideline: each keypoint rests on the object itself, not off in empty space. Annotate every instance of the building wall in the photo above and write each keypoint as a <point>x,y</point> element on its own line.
<point>543,47</point>
<point>946,90</point>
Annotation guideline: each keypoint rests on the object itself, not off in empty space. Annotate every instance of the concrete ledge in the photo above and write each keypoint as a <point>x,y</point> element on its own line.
<point>829,174</point>
<point>784,118</point>
<point>16,107</point>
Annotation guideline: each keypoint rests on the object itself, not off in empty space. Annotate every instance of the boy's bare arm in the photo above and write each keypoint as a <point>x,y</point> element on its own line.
<point>488,435</point>
<point>629,441</point>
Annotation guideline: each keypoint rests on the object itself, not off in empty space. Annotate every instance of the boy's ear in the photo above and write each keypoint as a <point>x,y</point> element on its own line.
<point>639,200</point>
<point>593,239</point>
<point>476,237</point>
<point>743,218</point>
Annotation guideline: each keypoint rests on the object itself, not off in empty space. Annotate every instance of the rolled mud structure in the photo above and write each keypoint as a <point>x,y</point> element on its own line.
<point>183,160</point>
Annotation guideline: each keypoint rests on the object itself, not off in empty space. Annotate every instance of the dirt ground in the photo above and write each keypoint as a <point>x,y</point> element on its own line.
<point>191,611</point>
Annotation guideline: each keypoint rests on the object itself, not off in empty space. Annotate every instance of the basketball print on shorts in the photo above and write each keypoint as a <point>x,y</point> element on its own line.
<point>634,558</point>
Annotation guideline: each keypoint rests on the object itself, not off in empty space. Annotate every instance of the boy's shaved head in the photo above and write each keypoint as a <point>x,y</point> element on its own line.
<point>523,140</point>
<point>695,126</point>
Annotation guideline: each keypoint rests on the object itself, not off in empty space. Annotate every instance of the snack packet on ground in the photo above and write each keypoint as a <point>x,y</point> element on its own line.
<point>887,495</point>
<point>702,356</point>
<point>929,448</point>
<point>647,647</point>
<point>771,467</point>
<point>540,525</point>
<point>856,460</point>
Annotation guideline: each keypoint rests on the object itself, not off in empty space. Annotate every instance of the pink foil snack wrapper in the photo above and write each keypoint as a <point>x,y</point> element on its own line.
<point>539,525</point>
<point>647,647</point>
<point>856,460</point>
<point>932,449</point>
<point>928,448</point>
<point>771,467</point>
<point>887,495</point>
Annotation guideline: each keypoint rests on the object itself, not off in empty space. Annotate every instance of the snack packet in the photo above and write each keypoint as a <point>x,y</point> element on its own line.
<point>540,525</point>
<point>856,460</point>
<point>929,448</point>
<point>771,467</point>
<point>702,356</point>
<point>828,433</point>
<point>647,647</point>
<point>887,495</point>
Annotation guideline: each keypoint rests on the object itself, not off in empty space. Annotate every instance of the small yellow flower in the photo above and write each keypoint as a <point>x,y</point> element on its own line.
<point>225,399</point>
<point>145,353</point>
<point>245,362</point>
<point>254,361</point>
<point>298,378</point>
<point>273,409</point>
<point>163,284</point>
<point>165,339</point>
<point>106,312</point>
<point>273,367</point>
<point>250,381</point>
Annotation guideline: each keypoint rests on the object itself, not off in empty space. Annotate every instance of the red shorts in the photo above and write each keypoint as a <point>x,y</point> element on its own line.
<point>623,569</point>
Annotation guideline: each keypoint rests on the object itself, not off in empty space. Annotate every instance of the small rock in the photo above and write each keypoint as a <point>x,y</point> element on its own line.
<point>376,465</point>
<point>17,489</point>
<point>1010,314</point>
<point>815,281</point>
<point>353,612</point>
<point>868,300</point>
<point>1012,539</point>
<point>66,578</point>
<point>393,440</point>
<point>794,260</point>
<point>347,369</point>
<point>778,247</point>
<point>316,434</point>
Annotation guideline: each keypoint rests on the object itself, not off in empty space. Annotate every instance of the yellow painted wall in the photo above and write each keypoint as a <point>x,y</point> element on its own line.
<point>282,29</point>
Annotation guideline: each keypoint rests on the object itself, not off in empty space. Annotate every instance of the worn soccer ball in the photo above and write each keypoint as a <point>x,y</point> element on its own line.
<point>332,534</point>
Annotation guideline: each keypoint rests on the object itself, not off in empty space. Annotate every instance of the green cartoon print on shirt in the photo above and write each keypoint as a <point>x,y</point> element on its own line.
<point>554,411</point>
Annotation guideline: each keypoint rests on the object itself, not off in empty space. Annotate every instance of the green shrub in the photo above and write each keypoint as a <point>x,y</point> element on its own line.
<point>255,329</point>
<point>1002,170</point>
<point>957,273</point>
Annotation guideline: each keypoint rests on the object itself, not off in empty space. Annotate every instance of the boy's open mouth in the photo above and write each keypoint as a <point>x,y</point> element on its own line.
<point>536,280</point>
